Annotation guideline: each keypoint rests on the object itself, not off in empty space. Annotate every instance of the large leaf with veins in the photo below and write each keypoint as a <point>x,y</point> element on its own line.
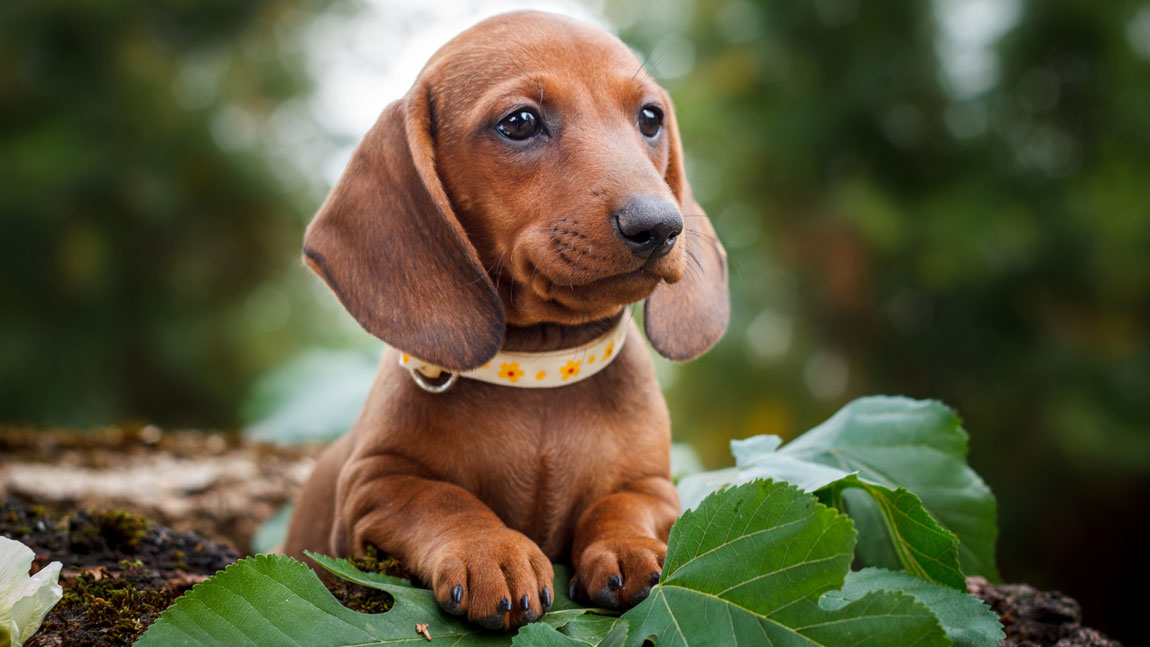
<point>748,566</point>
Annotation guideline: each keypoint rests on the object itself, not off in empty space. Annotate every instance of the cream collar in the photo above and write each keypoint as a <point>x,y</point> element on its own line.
<point>530,370</point>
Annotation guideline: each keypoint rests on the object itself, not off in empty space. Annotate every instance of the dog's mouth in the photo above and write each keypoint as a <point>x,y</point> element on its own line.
<point>601,289</point>
<point>585,272</point>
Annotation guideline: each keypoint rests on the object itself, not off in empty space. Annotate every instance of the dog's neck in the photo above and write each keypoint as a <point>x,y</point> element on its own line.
<point>544,337</point>
<point>543,355</point>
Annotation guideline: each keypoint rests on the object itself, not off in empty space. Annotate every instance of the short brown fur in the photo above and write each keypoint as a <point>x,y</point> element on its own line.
<point>450,243</point>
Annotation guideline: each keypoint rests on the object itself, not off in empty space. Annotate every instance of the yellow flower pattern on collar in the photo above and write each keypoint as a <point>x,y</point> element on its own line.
<point>571,368</point>
<point>539,370</point>
<point>510,371</point>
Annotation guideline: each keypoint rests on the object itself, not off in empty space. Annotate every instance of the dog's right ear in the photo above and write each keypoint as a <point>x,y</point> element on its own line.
<point>388,244</point>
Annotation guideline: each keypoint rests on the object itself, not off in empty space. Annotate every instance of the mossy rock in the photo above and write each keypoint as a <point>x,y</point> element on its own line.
<point>121,571</point>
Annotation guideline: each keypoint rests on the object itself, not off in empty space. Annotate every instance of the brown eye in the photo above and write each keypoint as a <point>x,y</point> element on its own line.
<point>650,121</point>
<point>519,125</point>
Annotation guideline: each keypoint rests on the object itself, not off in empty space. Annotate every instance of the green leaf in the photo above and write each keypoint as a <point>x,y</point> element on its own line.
<point>693,488</point>
<point>749,565</point>
<point>912,537</point>
<point>923,509</point>
<point>968,621</point>
<point>590,628</point>
<point>901,532</point>
<point>875,547</point>
<point>349,572</point>
<point>272,600</point>
<point>541,635</point>
<point>918,445</point>
<point>920,544</point>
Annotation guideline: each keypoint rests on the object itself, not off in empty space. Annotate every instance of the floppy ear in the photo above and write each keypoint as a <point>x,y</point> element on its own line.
<point>388,244</point>
<point>685,319</point>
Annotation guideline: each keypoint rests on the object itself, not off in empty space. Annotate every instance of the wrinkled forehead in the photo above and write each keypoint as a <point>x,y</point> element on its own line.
<point>535,52</point>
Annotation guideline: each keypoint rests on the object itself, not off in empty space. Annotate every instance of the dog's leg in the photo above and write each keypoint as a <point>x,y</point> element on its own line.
<point>476,565</point>
<point>621,541</point>
<point>314,511</point>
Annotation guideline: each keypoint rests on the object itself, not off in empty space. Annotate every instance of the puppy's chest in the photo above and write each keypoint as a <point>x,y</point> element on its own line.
<point>531,452</point>
<point>539,459</point>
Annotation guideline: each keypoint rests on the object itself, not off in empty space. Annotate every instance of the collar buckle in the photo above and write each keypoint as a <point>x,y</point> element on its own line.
<point>433,384</point>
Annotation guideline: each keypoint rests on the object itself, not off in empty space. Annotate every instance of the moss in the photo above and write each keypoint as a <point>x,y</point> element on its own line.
<point>114,531</point>
<point>178,556</point>
<point>373,561</point>
<point>108,600</point>
<point>105,610</point>
<point>358,597</point>
<point>122,530</point>
<point>362,598</point>
<point>37,510</point>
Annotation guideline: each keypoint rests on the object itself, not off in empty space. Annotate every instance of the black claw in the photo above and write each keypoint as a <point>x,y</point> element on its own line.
<point>615,582</point>
<point>525,603</point>
<point>545,597</point>
<point>505,605</point>
<point>452,605</point>
<point>654,579</point>
<point>573,590</point>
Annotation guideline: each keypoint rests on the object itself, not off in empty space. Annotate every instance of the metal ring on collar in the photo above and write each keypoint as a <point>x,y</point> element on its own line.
<point>422,382</point>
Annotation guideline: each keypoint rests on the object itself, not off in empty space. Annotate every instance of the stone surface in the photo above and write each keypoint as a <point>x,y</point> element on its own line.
<point>1033,618</point>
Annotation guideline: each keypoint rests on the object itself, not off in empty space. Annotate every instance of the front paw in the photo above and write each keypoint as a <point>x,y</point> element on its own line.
<point>618,573</point>
<point>499,578</point>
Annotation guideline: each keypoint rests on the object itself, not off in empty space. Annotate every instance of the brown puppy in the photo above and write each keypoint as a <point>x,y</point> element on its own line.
<point>536,147</point>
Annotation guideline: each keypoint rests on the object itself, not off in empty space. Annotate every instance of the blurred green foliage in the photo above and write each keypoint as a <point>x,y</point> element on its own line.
<point>892,230</point>
<point>144,233</point>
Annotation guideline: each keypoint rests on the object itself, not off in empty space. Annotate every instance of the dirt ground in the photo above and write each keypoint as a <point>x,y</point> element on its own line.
<point>138,516</point>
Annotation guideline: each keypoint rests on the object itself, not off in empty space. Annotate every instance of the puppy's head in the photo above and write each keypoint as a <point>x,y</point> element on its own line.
<point>532,174</point>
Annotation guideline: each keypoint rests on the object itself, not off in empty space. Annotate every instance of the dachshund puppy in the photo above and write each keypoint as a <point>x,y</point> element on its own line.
<point>500,216</point>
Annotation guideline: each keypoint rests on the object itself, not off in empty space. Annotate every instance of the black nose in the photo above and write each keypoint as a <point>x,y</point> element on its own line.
<point>649,226</point>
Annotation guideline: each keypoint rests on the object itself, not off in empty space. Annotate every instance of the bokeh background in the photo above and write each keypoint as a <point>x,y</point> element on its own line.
<point>945,199</point>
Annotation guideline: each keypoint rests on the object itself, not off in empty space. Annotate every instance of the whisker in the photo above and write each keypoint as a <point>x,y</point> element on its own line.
<point>642,64</point>
<point>535,266</point>
<point>574,269</point>
<point>698,265</point>
<point>702,235</point>
<point>486,273</point>
<point>547,272</point>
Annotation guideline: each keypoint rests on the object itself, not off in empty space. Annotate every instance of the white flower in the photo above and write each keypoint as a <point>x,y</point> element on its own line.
<point>24,600</point>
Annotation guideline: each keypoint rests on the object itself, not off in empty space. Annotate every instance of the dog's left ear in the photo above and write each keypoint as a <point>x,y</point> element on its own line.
<point>388,243</point>
<point>684,320</point>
